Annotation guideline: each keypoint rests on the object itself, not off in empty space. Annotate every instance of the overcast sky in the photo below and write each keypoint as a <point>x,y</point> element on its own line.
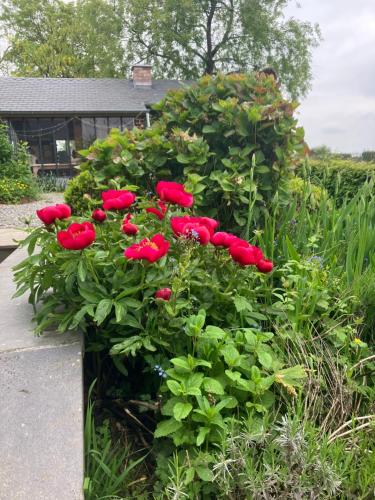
<point>340,109</point>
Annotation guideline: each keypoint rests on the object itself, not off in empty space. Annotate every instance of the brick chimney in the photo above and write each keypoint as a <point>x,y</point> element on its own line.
<point>142,75</point>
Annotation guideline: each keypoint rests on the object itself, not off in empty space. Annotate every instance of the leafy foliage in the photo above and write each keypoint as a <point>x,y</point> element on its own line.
<point>210,370</point>
<point>342,178</point>
<point>53,38</point>
<point>79,192</point>
<point>191,38</point>
<point>233,137</point>
<point>16,180</point>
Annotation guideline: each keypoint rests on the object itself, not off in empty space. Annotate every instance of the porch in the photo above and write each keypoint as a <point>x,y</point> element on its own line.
<point>54,141</point>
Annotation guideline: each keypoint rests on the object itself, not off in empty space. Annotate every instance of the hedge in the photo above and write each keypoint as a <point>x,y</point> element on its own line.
<point>341,178</point>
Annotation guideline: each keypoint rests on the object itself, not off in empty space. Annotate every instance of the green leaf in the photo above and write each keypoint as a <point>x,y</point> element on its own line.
<point>241,304</point>
<point>182,410</point>
<point>231,355</point>
<point>133,303</point>
<point>132,322</point>
<point>204,473</point>
<point>203,431</point>
<point>212,386</point>
<point>181,364</point>
<point>209,129</point>
<point>167,427</point>
<point>193,384</point>
<point>265,359</point>
<point>78,317</point>
<point>214,333</point>
<point>120,311</point>
<point>102,311</point>
<point>82,271</point>
<point>89,295</point>
<point>128,346</point>
<point>174,387</point>
<point>119,364</point>
<point>181,158</point>
<point>189,476</point>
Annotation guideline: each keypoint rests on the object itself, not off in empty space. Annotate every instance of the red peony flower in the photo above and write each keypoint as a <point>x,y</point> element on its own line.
<point>77,236</point>
<point>159,213</point>
<point>151,250</point>
<point>265,266</point>
<point>198,228</point>
<point>175,193</point>
<point>222,239</point>
<point>129,228</point>
<point>48,215</point>
<point>117,199</point>
<point>99,215</point>
<point>163,293</point>
<point>245,254</point>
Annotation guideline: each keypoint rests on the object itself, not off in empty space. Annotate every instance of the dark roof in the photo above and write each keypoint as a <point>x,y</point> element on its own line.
<point>79,95</point>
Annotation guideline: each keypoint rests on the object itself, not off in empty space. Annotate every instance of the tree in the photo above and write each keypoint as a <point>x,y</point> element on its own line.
<point>188,38</point>
<point>60,39</point>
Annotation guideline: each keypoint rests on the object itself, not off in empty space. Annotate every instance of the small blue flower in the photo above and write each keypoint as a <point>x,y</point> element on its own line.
<point>194,234</point>
<point>160,371</point>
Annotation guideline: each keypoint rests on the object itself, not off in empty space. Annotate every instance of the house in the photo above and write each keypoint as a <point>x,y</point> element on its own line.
<point>59,116</point>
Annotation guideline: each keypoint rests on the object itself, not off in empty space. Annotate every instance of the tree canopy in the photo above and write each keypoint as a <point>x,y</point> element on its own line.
<point>191,37</point>
<point>54,38</point>
<point>181,39</point>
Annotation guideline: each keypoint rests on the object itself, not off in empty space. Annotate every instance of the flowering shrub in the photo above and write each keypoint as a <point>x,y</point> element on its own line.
<point>17,183</point>
<point>185,303</point>
<point>13,191</point>
<point>232,137</point>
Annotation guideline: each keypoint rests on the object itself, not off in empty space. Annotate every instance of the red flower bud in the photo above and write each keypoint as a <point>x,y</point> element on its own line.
<point>48,215</point>
<point>129,229</point>
<point>77,236</point>
<point>99,215</point>
<point>175,193</point>
<point>265,266</point>
<point>163,293</point>
<point>159,213</point>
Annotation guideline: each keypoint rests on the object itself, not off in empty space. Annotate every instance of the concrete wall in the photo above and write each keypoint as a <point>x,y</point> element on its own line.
<point>41,404</point>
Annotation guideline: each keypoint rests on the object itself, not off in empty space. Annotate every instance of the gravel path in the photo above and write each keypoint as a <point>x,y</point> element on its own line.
<point>15,216</point>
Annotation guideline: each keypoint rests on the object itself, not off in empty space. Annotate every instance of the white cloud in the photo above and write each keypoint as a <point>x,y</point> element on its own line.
<point>340,109</point>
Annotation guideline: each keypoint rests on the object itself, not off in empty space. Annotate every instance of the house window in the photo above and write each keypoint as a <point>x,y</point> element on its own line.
<point>114,122</point>
<point>127,122</point>
<point>88,131</point>
<point>101,124</point>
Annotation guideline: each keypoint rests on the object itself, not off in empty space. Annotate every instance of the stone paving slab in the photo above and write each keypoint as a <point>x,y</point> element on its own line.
<point>10,236</point>
<point>41,432</point>
<point>41,414</point>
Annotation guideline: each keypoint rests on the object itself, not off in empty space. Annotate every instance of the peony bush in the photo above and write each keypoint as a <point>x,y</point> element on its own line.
<point>160,291</point>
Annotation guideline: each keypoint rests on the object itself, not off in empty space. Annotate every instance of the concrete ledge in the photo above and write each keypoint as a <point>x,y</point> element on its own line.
<point>41,409</point>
